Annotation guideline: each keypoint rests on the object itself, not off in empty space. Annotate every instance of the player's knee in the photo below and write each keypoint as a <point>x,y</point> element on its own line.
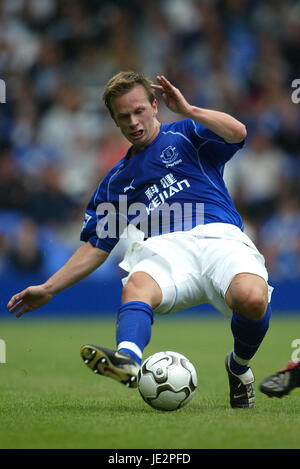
<point>256,305</point>
<point>252,304</point>
<point>248,296</point>
<point>141,287</point>
<point>130,290</point>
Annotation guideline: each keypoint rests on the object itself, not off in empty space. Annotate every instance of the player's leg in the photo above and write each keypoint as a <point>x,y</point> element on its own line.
<point>247,296</point>
<point>135,316</point>
<point>140,296</point>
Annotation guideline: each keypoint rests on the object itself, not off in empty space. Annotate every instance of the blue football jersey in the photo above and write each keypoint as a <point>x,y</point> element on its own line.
<point>181,170</point>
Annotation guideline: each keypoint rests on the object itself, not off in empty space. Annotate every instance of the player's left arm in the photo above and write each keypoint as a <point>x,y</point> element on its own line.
<point>222,124</point>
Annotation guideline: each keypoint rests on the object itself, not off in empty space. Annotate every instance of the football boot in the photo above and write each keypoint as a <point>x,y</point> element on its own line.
<point>241,389</point>
<point>111,363</point>
<point>282,382</point>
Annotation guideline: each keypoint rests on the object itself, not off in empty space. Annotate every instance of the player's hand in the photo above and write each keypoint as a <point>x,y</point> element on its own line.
<point>29,299</point>
<point>173,98</point>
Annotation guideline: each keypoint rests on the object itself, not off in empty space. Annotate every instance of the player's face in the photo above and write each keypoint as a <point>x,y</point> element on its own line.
<point>136,117</point>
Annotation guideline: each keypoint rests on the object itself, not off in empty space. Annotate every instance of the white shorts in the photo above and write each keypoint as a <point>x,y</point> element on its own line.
<point>195,266</point>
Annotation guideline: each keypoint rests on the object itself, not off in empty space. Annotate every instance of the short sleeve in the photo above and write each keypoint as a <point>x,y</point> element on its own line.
<point>211,145</point>
<point>93,227</point>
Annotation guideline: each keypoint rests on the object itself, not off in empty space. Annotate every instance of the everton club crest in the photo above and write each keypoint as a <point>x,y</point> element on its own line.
<point>169,156</point>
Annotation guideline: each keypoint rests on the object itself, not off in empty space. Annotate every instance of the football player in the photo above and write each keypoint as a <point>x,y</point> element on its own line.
<point>200,254</point>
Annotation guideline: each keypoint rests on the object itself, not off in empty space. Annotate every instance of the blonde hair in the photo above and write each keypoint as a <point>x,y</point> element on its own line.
<point>123,82</point>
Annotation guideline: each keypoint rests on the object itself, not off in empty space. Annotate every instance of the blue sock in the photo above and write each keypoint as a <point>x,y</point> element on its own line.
<point>133,332</point>
<point>248,335</point>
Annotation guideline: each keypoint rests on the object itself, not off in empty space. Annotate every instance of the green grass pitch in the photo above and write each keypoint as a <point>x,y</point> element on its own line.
<point>50,399</point>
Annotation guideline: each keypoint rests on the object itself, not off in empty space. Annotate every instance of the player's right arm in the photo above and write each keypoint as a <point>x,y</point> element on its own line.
<point>83,262</point>
<point>221,123</point>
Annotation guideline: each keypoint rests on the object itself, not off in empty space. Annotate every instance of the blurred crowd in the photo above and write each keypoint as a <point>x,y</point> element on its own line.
<point>57,139</point>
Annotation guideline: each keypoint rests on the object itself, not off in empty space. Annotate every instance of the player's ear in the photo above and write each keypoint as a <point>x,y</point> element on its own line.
<point>155,106</point>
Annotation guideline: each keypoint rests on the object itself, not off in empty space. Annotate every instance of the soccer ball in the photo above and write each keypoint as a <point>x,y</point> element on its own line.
<point>167,380</point>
